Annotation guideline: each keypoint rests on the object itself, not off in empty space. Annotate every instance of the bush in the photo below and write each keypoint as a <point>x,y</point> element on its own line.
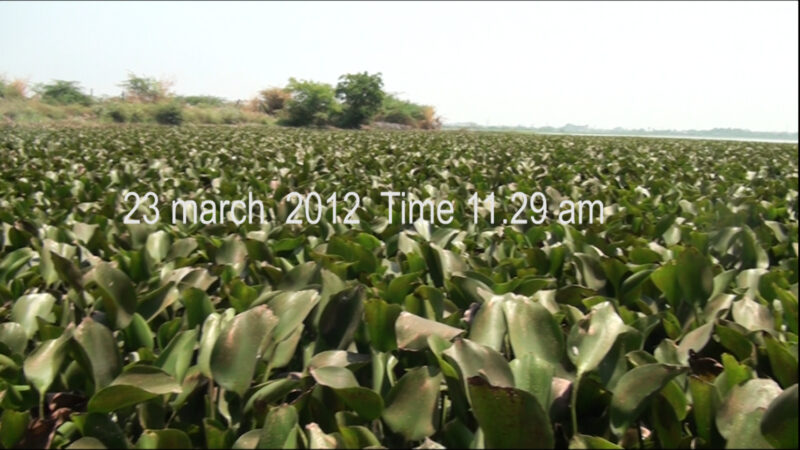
<point>11,90</point>
<point>362,95</point>
<point>312,103</point>
<point>395,110</point>
<point>169,114</point>
<point>202,100</point>
<point>118,115</point>
<point>61,92</point>
<point>144,89</point>
<point>273,100</point>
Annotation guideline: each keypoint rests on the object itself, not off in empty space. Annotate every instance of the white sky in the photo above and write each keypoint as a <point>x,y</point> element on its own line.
<point>654,64</point>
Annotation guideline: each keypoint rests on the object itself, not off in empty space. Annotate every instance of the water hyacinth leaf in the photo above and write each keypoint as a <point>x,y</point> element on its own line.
<point>117,292</point>
<point>399,287</point>
<point>411,405</point>
<point>633,391</point>
<point>694,275</point>
<point>135,385</point>
<point>592,338</point>
<point>746,433</point>
<point>12,426</point>
<point>280,428</point>
<point>743,399</point>
<point>87,442</point>
<point>42,366</point>
<point>532,329</point>
<point>209,333</point>
<point>99,348</point>
<point>318,439</point>
<point>509,417</point>
<point>166,438</point>
<point>341,317</point>
<point>489,326</point>
<point>779,423</point>
<point>474,359</point>
<point>176,358</point>
<point>535,376</point>
<point>248,440</point>
<point>28,307</point>
<point>236,350</point>
<point>291,308</point>
<point>412,331</point>
<point>13,336</point>
<point>365,402</point>
<point>702,406</point>
<point>337,358</point>
<point>380,318</point>
<point>783,363</point>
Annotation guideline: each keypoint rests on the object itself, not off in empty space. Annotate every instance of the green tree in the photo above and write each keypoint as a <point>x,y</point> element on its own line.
<point>311,103</point>
<point>144,89</point>
<point>362,96</point>
<point>63,92</point>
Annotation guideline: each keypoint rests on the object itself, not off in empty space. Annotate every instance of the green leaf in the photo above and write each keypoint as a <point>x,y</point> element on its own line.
<point>489,326</point>
<point>13,425</point>
<point>117,292</point>
<point>176,358</point>
<point>535,376</point>
<point>532,329</point>
<point>135,385</point>
<point>100,348</point>
<point>380,318</point>
<point>13,336</point>
<point>365,402</point>
<point>412,331</point>
<point>341,317</point>
<point>474,359</point>
<point>318,439</point>
<point>633,391</point>
<point>399,287</point>
<point>702,406</point>
<point>779,423</point>
<point>291,308</point>
<point>237,349</point>
<point>509,417</point>
<point>28,307</point>
<point>411,405</point>
<point>166,438</point>
<point>593,337</point>
<point>743,399</point>
<point>783,363</point>
<point>42,366</point>
<point>280,428</point>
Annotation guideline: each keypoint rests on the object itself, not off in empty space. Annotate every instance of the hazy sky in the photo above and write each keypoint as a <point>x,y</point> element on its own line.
<point>657,65</point>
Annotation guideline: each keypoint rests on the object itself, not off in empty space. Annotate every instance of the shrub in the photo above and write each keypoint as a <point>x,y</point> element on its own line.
<point>361,94</point>
<point>17,89</point>
<point>202,100</point>
<point>169,114</point>
<point>312,103</point>
<point>145,89</point>
<point>61,92</point>
<point>395,110</point>
<point>273,100</point>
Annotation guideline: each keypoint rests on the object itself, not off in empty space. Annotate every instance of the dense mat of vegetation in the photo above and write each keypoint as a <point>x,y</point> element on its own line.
<point>672,324</point>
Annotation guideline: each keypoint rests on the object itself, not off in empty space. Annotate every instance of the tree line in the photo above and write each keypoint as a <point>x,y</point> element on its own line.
<point>356,101</point>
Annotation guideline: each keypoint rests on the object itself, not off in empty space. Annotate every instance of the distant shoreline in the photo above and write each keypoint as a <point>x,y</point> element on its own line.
<point>715,134</point>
